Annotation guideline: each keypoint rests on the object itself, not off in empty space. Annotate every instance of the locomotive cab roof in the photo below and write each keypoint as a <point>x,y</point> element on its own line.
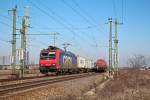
<point>52,48</point>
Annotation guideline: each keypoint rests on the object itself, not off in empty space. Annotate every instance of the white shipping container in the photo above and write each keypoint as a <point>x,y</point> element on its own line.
<point>89,63</point>
<point>81,62</point>
<point>84,63</point>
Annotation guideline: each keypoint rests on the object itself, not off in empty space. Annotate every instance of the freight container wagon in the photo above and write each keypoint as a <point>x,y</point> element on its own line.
<point>100,65</point>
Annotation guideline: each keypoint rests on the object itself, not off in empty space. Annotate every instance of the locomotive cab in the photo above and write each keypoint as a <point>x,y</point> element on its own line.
<point>49,60</point>
<point>57,61</point>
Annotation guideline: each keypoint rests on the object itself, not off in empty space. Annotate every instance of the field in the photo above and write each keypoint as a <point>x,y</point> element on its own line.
<point>8,71</point>
<point>129,85</point>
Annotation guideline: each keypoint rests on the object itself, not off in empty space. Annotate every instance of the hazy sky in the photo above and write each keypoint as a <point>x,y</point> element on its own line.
<point>82,23</point>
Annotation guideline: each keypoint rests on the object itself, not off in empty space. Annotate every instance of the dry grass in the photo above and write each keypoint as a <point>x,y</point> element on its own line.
<point>130,85</point>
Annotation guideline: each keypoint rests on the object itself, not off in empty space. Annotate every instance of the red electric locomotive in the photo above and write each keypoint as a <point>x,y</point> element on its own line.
<point>56,60</point>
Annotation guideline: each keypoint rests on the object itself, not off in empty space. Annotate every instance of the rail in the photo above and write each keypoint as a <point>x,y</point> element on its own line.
<point>12,88</point>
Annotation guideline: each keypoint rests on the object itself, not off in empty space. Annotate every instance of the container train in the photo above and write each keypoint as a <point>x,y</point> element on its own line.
<point>56,60</point>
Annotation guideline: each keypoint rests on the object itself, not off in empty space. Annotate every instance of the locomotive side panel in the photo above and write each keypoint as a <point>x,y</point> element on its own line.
<point>68,60</point>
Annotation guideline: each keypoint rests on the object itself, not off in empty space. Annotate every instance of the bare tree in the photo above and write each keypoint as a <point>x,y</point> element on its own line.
<point>137,61</point>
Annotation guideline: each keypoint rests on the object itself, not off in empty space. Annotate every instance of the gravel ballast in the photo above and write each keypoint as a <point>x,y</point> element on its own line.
<point>68,90</point>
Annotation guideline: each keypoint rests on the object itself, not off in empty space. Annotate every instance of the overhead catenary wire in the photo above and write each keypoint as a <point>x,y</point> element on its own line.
<point>5,41</point>
<point>122,11</point>
<point>6,24</point>
<point>6,17</point>
<point>57,19</point>
<point>37,47</point>
<point>114,8</point>
<point>85,13</point>
<point>61,18</point>
<point>78,13</point>
<point>61,28</point>
<point>83,16</point>
<point>9,18</point>
<point>54,18</point>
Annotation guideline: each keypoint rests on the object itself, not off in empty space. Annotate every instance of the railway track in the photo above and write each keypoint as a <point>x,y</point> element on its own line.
<point>17,79</point>
<point>11,89</point>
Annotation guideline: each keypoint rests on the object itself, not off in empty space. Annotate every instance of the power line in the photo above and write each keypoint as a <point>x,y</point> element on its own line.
<point>78,13</point>
<point>122,11</point>
<point>87,15</point>
<point>5,41</point>
<point>83,11</point>
<point>32,45</point>
<point>114,8</point>
<point>60,28</point>
<point>54,18</point>
<point>41,42</point>
<point>62,19</point>
<point>83,16</point>
<point>68,22</point>
<point>6,17</point>
<point>5,24</point>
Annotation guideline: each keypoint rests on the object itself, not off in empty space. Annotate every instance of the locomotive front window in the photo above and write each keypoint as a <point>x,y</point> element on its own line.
<point>47,55</point>
<point>44,54</point>
<point>51,55</point>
